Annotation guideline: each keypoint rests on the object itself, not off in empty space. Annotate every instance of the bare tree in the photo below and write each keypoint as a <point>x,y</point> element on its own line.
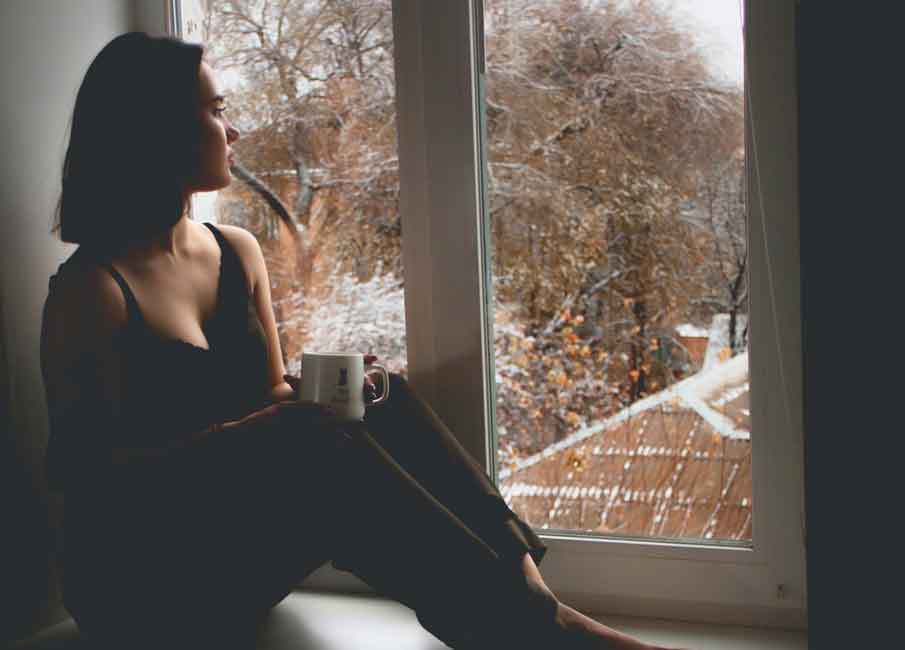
<point>721,208</point>
<point>600,116</point>
<point>316,75</point>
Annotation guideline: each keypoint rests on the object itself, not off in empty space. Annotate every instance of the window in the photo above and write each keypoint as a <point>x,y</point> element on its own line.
<point>446,203</point>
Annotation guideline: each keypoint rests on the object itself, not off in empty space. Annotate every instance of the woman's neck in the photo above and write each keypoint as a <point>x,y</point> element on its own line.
<point>174,242</point>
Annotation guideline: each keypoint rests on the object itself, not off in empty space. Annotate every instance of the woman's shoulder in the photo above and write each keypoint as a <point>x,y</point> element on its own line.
<point>83,287</point>
<point>247,249</point>
<point>84,310</point>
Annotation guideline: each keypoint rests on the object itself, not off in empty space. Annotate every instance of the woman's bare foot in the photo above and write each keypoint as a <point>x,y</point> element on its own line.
<point>595,635</point>
<point>586,632</point>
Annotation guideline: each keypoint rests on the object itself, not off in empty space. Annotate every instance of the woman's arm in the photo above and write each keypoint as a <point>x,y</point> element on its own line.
<point>286,415</point>
<point>283,387</point>
<point>281,392</point>
<point>120,456</point>
<point>252,258</point>
<point>84,316</point>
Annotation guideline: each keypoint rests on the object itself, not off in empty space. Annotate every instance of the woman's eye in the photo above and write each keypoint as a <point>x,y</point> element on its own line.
<point>219,111</point>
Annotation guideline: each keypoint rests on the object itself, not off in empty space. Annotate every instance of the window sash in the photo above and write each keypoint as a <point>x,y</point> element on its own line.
<point>450,347</point>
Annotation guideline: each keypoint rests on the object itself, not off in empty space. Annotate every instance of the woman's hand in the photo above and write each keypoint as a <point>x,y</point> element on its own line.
<point>295,383</point>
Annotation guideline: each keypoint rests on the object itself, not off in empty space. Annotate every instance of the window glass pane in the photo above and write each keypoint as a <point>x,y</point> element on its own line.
<point>616,175</point>
<point>310,86</point>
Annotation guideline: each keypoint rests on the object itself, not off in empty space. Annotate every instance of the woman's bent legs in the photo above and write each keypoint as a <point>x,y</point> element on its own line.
<point>399,503</point>
<point>394,500</point>
<point>308,495</point>
<point>409,430</point>
<point>408,545</point>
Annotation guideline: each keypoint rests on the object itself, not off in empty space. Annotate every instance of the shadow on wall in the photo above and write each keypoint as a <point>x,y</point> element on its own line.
<point>28,586</point>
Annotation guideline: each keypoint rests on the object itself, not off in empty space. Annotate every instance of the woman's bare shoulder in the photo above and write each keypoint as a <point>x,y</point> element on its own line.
<point>84,309</point>
<point>248,249</point>
<point>236,235</point>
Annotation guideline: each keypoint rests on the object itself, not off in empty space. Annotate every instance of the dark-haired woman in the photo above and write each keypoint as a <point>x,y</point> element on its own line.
<point>198,492</point>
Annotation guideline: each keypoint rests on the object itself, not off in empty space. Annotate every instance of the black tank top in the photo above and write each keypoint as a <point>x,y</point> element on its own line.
<point>172,387</point>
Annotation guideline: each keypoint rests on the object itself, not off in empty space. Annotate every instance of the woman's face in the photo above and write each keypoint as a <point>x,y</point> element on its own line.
<point>217,134</point>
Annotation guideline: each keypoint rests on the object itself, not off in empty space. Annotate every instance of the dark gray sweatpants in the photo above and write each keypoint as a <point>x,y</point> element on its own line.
<point>210,542</point>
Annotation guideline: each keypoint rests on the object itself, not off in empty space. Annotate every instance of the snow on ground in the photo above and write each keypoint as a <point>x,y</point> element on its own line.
<point>692,331</point>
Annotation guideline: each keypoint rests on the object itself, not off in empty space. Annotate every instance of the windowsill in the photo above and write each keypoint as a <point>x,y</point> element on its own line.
<point>332,611</point>
<point>329,621</point>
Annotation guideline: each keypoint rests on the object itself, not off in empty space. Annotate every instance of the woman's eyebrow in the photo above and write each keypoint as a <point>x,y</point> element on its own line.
<point>218,98</point>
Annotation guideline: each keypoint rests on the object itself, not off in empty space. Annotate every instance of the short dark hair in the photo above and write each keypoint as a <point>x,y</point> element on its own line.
<point>134,143</point>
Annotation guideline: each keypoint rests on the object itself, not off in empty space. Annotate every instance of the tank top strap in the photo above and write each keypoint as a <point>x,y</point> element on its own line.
<point>229,259</point>
<point>81,258</point>
<point>133,314</point>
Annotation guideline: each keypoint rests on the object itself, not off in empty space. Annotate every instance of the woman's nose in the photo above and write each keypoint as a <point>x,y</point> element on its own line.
<point>232,134</point>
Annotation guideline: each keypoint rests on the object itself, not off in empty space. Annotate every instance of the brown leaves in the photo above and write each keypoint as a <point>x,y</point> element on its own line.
<point>575,459</point>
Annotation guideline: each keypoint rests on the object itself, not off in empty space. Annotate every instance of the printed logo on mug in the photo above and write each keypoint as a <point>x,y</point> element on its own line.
<point>337,380</point>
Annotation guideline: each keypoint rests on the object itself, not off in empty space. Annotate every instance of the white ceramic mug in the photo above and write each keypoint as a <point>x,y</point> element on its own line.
<point>336,379</point>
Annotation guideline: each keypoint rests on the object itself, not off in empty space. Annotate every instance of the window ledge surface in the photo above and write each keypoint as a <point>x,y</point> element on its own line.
<point>317,620</point>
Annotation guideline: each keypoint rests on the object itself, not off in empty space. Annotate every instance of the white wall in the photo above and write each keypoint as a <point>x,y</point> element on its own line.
<point>150,16</point>
<point>45,48</point>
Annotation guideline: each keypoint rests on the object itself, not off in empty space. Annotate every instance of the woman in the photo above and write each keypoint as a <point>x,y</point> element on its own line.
<point>198,492</point>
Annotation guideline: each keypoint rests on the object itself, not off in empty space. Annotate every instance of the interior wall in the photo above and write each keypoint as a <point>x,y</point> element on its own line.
<point>45,49</point>
<point>150,16</point>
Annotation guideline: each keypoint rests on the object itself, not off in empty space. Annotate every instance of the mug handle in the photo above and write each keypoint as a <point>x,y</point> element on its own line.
<point>386,382</point>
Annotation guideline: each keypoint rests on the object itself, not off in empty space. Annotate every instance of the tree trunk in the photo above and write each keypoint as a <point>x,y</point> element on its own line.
<point>639,385</point>
<point>270,197</point>
<point>732,324</point>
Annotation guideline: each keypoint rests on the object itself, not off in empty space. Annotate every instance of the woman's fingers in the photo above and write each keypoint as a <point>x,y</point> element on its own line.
<point>293,381</point>
<point>370,389</point>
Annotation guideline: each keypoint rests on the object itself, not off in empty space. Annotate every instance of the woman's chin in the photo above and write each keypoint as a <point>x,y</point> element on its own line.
<point>213,186</point>
<point>223,181</point>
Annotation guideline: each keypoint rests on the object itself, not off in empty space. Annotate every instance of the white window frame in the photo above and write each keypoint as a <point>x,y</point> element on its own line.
<point>450,346</point>
<point>172,17</point>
